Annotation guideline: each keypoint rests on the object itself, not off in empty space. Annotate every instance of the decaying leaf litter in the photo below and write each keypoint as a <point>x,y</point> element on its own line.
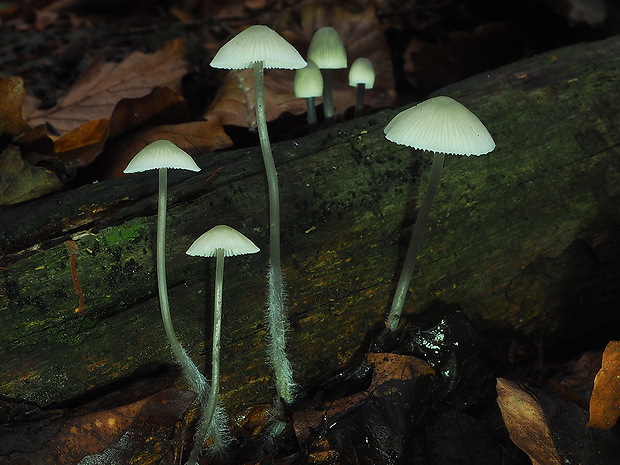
<point>106,114</point>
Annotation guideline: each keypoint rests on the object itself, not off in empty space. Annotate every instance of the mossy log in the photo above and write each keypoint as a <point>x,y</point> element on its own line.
<point>523,240</point>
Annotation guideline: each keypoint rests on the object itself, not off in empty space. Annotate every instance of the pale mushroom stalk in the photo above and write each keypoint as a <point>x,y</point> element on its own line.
<point>207,426</point>
<point>276,319</point>
<point>415,243</point>
<point>311,110</point>
<point>328,99</point>
<point>359,101</point>
<point>195,379</point>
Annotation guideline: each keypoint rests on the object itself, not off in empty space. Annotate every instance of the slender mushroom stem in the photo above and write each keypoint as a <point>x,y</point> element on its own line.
<point>328,99</point>
<point>275,312</point>
<point>311,110</point>
<point>359,102</point>
<point>209,422</point>
<point>415,243</point>
<point>195,379</point>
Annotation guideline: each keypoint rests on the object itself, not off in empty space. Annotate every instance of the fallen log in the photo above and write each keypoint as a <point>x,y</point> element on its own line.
<point>523,240</point>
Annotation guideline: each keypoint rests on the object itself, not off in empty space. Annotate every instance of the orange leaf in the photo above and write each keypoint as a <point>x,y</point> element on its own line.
<point>196,138</point>
<point>96,93</point>
<point>526,423</point>
<point>605,400</point>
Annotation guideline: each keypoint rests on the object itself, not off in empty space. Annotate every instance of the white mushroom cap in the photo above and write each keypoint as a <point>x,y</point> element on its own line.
<point>362,72</point>
<point>440,124</point>
<point>161,154</point>
<point>254,44</point>
<point>326,49</point>
<point>308,81</point>
<point>222,237</point>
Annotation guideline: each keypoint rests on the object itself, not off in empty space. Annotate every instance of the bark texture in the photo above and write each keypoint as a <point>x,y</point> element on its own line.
<point>524,240</point>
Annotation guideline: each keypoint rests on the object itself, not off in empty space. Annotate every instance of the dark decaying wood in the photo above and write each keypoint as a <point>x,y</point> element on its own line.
<point>524,240</point>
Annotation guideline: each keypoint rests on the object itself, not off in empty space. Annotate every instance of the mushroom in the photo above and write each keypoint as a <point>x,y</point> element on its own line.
<point>327,51</point>
<point>220,241</point>
<point>443,126</point>
<point>260,47</point>
<point>308,84</point>
<point>362,76</point>
<point>162,155</point>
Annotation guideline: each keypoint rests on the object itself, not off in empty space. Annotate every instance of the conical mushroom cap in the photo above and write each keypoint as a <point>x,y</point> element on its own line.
<point>362,72</point>
<point>326,49</point>
<point>440,124</point>
<point>222,237</point>
<point>254,44</point>
<point>308,81</point>
<point>161,154</point>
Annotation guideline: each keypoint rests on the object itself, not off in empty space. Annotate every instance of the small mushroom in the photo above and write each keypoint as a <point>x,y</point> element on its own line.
<point>362,76</point>
<point>327,51</point>
<point>308,84</point>
<point>220,241</point>
<point>443,126</point>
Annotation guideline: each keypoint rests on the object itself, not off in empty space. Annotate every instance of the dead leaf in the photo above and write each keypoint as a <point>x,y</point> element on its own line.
<point>96,93</point>
<point>12,94</point>
<point>196,138</point>
<point>605,399</point>
<point>526,423</point>
<point>235,104</point>
<point>20,181</point>
<point>84,143</point>
<point>117,435</point>
<point>362,36</point>
<point>386,367</point>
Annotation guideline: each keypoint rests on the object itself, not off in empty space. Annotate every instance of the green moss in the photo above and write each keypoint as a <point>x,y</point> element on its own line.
<point>123,234</point>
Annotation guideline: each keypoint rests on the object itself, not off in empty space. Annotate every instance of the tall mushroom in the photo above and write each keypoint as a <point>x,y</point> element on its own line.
<point>260,47</point>
<point>220,241</point>
<point>327,51</point>
<point>443,126</point>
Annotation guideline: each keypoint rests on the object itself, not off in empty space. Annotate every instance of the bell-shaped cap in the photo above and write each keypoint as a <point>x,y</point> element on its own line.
<point>362,72</point>
<point>161,154</point>
<point>222,237</point>
<point>254,44</point>
<point>308,81</point>
<point>326,49</point>
<point>440,124</point>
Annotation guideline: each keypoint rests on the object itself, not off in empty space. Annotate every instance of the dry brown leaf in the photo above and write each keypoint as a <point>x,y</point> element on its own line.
<point>86,142</point>
<point>605,400</point>
<point>526,423</point>
<point>12,95</point>
<point>234,102</point>
<point>96,93</point>
<point>196,138</point>
<point>386,367</point>
<point>362,37</point>
<point>19,181</point>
